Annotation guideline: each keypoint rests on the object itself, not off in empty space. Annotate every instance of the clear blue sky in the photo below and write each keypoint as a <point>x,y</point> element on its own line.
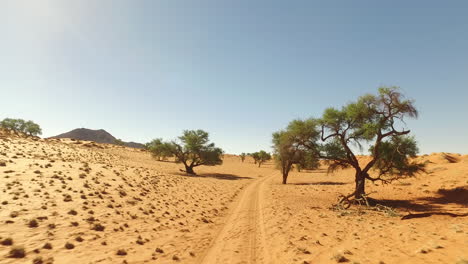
<point>238,69</point>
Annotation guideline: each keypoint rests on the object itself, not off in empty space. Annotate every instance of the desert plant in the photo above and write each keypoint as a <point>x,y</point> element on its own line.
<point>295,145</point>
<point>375,120</point>
<point>372,119</point>
<point>32,129</point>
<point>20,126</point>
<point>7,241</point>
<point>260,157</point>
<point>159,149</point>
<point>242,156</point>
<point>17,252</point>
<point>193,149</point>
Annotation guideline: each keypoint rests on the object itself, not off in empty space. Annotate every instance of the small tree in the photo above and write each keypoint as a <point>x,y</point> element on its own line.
<point>14,125</point>
<point>296,145</point>
<point>375,120</point>
<point>242,156</point>
<point>255,157</point>
<point>261,157</point>
<point>195,150</point>
<point>32,129</point>
<point>159,149</point>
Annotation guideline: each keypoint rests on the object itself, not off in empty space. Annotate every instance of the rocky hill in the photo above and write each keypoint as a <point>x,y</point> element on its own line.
<point>99,136</point>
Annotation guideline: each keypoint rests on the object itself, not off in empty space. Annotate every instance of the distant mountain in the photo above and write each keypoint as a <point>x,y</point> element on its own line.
<point>99,136</point>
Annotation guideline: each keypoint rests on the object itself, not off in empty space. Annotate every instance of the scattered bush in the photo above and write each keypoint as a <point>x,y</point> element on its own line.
<point>69,245</point>
<point>121,252</point>
<point>17,252</point>
<point>7,241</point>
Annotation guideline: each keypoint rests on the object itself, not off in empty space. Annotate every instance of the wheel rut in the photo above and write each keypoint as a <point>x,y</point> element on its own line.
<point>241,239</point>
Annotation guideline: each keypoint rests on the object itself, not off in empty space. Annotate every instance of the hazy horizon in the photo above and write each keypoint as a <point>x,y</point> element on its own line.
<point>239,70</point>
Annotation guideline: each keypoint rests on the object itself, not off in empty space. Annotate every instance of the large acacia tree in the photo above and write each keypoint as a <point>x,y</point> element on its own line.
<point>194,149</point>
<point>377,121</point>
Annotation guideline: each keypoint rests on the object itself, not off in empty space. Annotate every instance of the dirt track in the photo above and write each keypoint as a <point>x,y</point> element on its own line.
<point>241,239</point>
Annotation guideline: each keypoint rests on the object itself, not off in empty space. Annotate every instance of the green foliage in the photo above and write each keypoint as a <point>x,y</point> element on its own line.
<point>377,120</point>
<point>373,120</point>
<point>20,126</point>
<point>296,145</point>
<point>159,149</point>
<point>193,149</point>
<point>255,157</point>
<point>242,156</point>
<point>395,157</point>
<point>260,157</point>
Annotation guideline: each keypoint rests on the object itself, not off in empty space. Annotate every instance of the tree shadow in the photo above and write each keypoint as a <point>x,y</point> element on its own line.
<point>430,205</point>
<point>422,215</point>
<point>219,176</point>
<point>404,204</point>
<point>320,183</point>
<point>458,195</point>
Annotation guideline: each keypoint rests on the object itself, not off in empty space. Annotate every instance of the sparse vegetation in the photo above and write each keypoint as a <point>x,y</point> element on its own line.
<point>121,252</point>
<point>293,146</point>
<point>21,126</point>
<point>375,120</point>
<point>242,156</point>
<point>17,252</point>
<point>69,245</point>
<point>7,241</point>
<point>260,157</point>
<point>193,149</point>
<point>159,149</point>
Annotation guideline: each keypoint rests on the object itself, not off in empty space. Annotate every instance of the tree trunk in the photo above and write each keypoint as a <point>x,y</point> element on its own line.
<point>286,169</point>
<point>285,178</point>
<point>189,170</point>
<point>360,185</point>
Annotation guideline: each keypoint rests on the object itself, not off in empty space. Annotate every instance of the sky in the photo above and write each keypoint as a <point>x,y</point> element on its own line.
<point>237,69</point>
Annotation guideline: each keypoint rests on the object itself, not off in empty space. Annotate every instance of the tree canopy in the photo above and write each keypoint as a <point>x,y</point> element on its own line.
<point>378,121</point>
<point>296,145</point>
<point>159,149</point>
<point>192,149</point>
<point>21,126</point>
<point>260,157</point>
<point>242,156</point>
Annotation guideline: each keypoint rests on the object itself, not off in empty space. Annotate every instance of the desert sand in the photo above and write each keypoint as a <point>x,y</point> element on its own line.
<point>69,201</point>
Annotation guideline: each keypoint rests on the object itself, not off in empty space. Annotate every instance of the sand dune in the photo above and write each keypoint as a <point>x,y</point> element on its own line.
<point>68,201</point>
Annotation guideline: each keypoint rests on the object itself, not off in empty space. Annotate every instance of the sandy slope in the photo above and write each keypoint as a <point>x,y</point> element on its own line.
<point>234,213</point>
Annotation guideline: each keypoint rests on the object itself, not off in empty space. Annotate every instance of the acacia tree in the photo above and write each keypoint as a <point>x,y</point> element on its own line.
<point>255,157</point>
<point>296,145</point>
<point>375,120</point>
<point>32,129</point>
<point>195,150</point>
<point>242,156</point>
<point>159,149</point>
<point>260,157</point>
<point>20,126</point>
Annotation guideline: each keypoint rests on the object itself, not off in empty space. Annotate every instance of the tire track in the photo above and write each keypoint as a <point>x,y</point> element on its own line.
<point>242,237</point>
